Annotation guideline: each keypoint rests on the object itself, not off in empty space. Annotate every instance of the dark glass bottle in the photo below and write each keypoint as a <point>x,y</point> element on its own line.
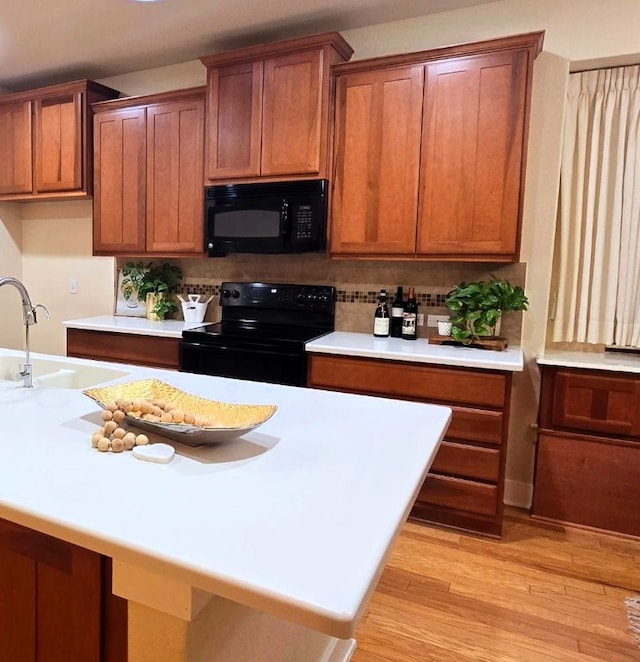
<point>381,317</point>
<point>397,312</point>
<point>410,317</point>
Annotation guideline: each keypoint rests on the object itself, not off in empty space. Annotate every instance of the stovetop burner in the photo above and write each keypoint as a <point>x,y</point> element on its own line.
<point>254,331</point>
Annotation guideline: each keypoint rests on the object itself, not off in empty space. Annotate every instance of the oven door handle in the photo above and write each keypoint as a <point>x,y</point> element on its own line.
<point>203,347</point>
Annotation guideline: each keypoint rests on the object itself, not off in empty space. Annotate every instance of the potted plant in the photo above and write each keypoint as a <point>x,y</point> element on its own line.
<point>153,283</point>
<point>477,307</point>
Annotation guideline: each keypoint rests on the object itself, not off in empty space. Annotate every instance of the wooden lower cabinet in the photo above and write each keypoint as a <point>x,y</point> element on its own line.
<point>465,485</point>
<point>588,455</point>
<point>154,351</point>
<point>55,601</point>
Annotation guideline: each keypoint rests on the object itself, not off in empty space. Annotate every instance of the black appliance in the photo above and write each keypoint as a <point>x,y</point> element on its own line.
<point>262,334</point>
<point>275,217</point>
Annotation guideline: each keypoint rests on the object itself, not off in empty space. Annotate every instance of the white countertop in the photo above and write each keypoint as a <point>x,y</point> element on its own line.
<point>295,518</point>
<point>337,342</point>
<point>134,325</point>
<point>418,351</point>
<point>614,361</point>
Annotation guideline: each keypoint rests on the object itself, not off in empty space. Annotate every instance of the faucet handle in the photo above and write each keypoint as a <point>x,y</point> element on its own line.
<point>32,313</point>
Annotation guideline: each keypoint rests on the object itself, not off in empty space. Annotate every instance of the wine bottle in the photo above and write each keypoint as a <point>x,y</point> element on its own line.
<point>410,317</point>
<point>397,312</point>
<point>381,317</point>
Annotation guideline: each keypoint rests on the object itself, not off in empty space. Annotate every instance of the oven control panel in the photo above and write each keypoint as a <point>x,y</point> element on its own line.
<point>278,296</point>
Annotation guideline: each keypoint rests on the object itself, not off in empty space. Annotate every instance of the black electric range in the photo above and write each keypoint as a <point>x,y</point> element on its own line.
<point>262,333</point>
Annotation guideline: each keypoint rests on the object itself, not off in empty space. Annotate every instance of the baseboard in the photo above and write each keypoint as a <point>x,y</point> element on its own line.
<point>518,494</point>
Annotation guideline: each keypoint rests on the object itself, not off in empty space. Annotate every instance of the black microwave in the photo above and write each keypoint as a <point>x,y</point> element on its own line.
<point>276,217</point>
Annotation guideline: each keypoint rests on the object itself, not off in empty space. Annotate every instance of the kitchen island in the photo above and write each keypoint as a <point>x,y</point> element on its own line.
<point>264,548</point>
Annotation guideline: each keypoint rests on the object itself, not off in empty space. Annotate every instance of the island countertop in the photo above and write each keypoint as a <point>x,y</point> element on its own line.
<point>295,518</point>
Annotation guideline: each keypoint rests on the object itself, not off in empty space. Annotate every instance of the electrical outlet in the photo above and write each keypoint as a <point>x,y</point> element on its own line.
<point>420,319</point>
<point>73,286</point>
<point>432,320</point>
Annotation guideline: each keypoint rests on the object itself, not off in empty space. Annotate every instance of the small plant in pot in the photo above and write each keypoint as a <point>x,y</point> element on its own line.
<point>477,307</point>
<point>153,283</point>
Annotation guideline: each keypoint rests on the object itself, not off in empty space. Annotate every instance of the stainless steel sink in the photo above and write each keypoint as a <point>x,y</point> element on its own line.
<point>58,374</point>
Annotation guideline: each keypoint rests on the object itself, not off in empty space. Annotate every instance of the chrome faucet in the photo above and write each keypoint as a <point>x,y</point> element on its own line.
<point>29,318</point>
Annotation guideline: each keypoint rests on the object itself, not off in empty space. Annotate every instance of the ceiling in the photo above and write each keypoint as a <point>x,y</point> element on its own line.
<point>49,42</point>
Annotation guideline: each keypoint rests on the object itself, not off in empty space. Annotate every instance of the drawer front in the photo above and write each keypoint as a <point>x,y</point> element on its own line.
<point>409,380</point>
<point>155,351</point>
<point>476,425</point>
<point>596,403</point>
<point>467,461</point>
<point>459,494</point>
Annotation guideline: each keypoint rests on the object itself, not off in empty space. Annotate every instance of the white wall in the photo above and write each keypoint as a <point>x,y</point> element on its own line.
<point>57,246</point>
<point>588,31</point>
<point>11,327</point>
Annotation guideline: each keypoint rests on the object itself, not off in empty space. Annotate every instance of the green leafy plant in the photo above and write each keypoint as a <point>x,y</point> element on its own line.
<point>152,278</point>
<point>478,306</point>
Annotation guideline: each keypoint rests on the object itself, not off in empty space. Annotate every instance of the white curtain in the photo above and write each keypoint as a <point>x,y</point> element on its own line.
<point>599,210</point>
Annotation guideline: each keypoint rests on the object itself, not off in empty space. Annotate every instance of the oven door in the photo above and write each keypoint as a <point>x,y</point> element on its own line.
<point>252,361</point>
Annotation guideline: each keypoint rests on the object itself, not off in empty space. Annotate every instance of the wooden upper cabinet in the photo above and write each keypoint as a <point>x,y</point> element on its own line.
<point>58,146</point>
<point>148,163</point>
<point>375,194</point>
<point>292,113</point>
<point>268,109</point>
<point>46,141</point>
<point>120,169</point>
<point>473,140</point>
<point>15,147</point>
<point>175,140</point>
<point>430,151</point>
<point>234,120</point>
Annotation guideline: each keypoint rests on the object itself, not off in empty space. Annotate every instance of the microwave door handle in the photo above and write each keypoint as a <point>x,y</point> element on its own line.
<point>284,220</point>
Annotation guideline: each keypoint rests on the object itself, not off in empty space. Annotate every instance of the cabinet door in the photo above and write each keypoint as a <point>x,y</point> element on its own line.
<point>119,182</point>
<point>58,143</point>
<point>175,217</point>
<point>588,481</point>
<point>474,128</point>
<point>17,606</point>
<point>292,107</point>
<point>51,598</point>
<point>15,148</point>
<point>234,120</point>
<point>377,152</point>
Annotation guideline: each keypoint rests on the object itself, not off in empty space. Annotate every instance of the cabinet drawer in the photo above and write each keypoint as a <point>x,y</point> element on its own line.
<point>467,461</point>
<point>459,494</point>
<point>476,425</point>
<point>154,351</point>
<point>596,403</point>
<point>409,380</point>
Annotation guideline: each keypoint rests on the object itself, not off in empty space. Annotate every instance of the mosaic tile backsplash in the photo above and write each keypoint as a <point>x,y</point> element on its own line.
<point>358,283</point>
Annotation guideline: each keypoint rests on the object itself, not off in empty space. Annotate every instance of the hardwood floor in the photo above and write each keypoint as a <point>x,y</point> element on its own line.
<point>543,592</point>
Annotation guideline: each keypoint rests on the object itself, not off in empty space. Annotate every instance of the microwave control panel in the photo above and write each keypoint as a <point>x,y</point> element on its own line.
<point>303,222</point>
